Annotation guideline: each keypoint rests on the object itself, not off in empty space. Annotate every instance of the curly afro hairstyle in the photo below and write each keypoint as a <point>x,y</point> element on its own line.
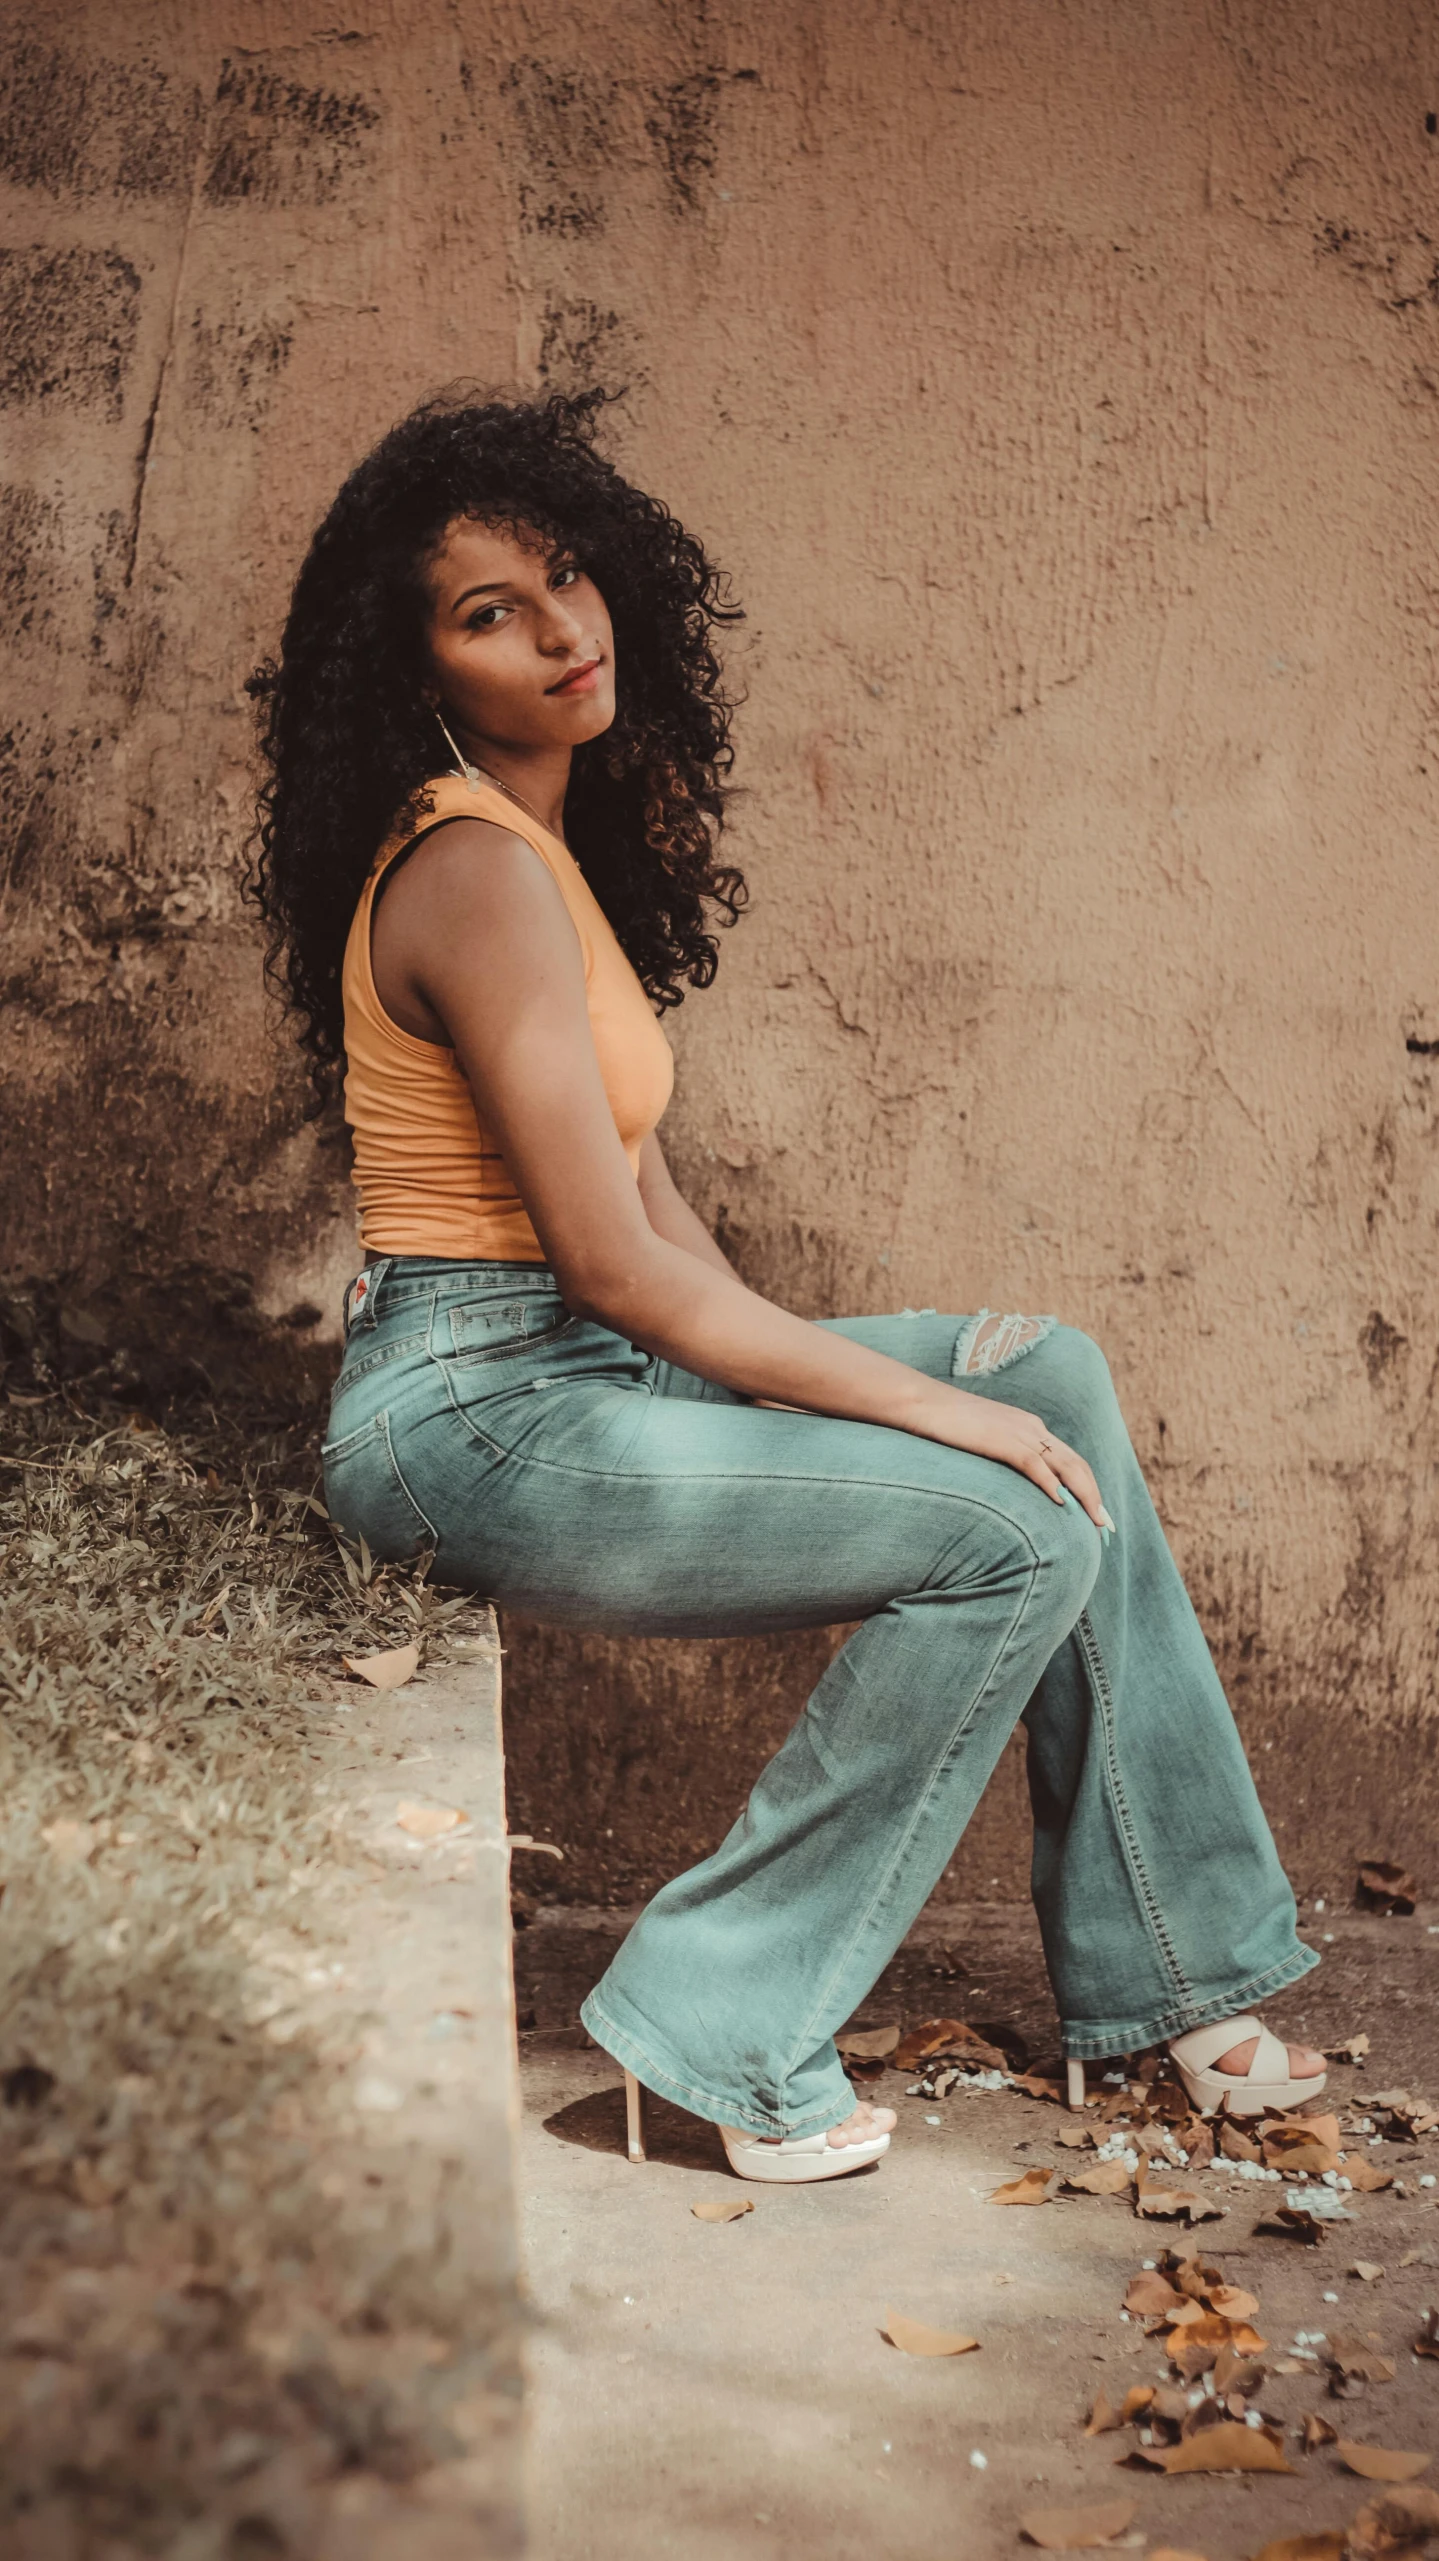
<point>348,741</point>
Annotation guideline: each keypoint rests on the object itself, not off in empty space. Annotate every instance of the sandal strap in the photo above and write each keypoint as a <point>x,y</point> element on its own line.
<point>1200,2047</point>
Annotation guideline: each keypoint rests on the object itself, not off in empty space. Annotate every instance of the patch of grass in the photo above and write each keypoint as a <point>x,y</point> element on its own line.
<point>173,1609</point>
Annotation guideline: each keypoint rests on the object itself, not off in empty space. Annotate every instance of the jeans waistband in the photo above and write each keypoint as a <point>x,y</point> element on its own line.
<point>392,1278</point>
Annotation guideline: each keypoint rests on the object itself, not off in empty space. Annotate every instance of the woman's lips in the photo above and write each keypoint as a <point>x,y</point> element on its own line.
<point>581,680</point>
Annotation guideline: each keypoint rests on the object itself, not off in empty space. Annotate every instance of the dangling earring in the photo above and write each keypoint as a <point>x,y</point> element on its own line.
<point>471,772</point>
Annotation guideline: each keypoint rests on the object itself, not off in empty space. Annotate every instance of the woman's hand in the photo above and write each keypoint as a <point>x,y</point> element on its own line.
<point>1017,1440</point>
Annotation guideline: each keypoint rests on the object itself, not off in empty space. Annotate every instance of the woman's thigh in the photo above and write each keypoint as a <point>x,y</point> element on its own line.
<point>671,1515</point>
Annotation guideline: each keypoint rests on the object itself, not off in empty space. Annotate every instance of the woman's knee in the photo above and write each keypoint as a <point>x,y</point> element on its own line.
<point>1068,1552</point>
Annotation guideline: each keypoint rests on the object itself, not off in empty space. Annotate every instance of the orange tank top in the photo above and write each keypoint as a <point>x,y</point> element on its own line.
<point>430,1177</point>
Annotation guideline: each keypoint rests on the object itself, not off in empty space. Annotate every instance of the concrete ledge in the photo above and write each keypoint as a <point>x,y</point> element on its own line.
<point>404,1975</point>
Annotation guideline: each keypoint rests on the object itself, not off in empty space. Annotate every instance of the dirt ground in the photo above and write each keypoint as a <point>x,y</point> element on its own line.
<point>714,2391</point>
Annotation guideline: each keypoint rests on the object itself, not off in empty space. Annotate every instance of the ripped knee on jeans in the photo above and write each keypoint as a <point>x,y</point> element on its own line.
<point>988,1342</point>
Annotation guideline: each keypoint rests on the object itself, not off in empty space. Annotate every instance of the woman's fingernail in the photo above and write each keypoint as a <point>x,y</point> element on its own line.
<point>1104,1520</point>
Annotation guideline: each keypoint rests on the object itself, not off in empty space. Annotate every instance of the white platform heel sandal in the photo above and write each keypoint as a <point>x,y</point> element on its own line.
<point>801,2158</point>
<point>1267,2086</point>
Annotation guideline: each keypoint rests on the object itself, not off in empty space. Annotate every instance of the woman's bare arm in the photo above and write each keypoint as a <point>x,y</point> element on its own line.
<point>670,1214</point>
<point>475,934</point>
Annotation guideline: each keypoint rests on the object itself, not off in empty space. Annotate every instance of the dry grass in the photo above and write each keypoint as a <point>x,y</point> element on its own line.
<point>174,1609</point>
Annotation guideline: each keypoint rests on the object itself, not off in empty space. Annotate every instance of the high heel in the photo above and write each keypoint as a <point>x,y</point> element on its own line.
<point>1076,2082</point>
<point>793,2163</point>
<point>1263,2090</point>
<point>634,2117</point>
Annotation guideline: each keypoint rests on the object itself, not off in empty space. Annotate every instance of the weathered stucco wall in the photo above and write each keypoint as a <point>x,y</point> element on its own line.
<point>1061,383</point>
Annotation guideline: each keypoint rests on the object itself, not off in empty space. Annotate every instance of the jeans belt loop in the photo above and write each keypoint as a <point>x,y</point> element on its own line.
<point>362,1296</point>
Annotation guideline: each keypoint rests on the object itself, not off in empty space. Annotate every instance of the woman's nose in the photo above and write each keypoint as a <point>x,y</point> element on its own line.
<point>561,628</point>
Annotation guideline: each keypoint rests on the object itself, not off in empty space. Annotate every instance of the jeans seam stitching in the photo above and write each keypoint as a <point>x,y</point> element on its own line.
<point>1154,1913</point>
<point>708,1476</point>
<point>901,1848</point>
<point>403,1483</point>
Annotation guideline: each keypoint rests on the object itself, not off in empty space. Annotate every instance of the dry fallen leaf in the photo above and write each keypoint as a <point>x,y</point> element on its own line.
<point>722,2209</point>
<point>1167,2201</point>
<point>1301,2147</point>
<point>1357,2358</point>
<point>1318,2431</point>
<point>385,1671</point>
<point>1236,2145</point>
<point>951,2040</point>
<point>1384,1886</point>
<point>1369,2269</point>
<point>917,2339</point>
<point>1380,2462</point>
<point>1194,2346</point>
<point>1362,2175</point>
<point>1353,2050</point>
<point>429,1822</point>
<point>1104,2416</point>
<point>1035,2086</point>
<point>1236,2373</point>
<point>1233,2303</point>
<point>1171,2552</point>
<point>871,2043</point>
<point>1150,2293</point>
<point>1292,2223</point>
<point>69,1842</point>
<point>1299,2547</point>
<point>1107,2178</point>
<point>1075,2138</point>
<point>1232,2446</point>
<point>1031,2189</point>
<point>1427,2343</point>
<point>1393,2527</point>
<point>1077,2529</point>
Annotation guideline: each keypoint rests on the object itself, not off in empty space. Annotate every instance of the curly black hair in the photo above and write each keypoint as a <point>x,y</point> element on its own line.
<point>349,741</point>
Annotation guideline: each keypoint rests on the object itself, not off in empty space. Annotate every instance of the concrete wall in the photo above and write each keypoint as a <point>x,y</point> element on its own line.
<point>1061,383</point>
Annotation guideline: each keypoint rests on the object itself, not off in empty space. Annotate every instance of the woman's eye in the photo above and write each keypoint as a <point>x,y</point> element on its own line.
<point>487,618</point>
<point>565,577</point>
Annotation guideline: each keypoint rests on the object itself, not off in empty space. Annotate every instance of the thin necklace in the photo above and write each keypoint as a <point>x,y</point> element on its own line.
<point>519,799</point>
<point>472,773</point>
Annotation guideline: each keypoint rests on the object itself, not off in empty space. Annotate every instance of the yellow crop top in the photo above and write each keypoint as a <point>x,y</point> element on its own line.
<point>430,1177</point>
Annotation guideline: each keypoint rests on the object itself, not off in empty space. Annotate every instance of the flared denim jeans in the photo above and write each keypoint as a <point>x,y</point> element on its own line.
<point>563,1473</point>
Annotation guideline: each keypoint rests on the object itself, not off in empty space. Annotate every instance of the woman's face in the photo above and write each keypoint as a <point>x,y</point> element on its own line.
<point>520,643</point>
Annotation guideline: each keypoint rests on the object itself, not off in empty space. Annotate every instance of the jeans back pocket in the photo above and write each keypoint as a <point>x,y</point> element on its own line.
<point>496,1329</point>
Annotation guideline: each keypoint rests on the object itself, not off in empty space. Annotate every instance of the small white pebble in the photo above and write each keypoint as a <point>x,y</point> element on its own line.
<point>1124,2316</point>
<point>978,2462</point>
<point>885,2446</point>
<point>934,2120</point>
<point>1331,2298</point>
<point>629,2298</point>
<point>1147,2264</point>
<point>1252,2419</point>
<point>1426,2179</point>
<point>1344,2183</point>
<point>1319,1905</point>
<point>1329,1938</point>
<point>1330,2178</point>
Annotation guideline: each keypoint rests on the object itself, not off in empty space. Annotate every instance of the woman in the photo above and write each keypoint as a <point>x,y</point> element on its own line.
<point>496,744</point>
